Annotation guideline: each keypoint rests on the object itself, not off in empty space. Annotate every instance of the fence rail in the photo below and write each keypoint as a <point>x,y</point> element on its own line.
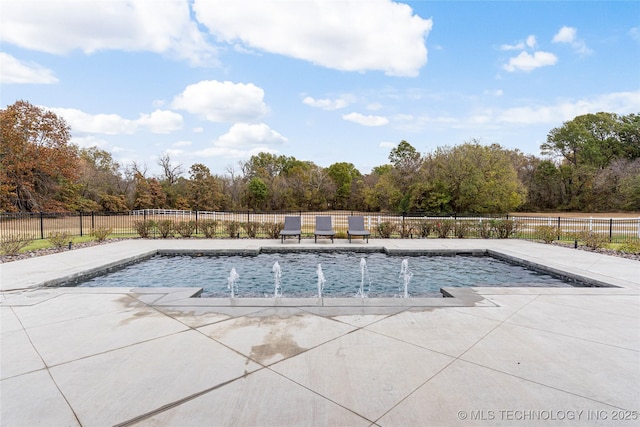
<point>39,225</point>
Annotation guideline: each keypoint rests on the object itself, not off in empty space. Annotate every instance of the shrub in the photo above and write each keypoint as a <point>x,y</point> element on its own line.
<point>272,229</point>
<point>424,228</point>
<point>547,233</point>
<point>341,235</point>
<point>443,227</point>
<point>462,229</point>
<point>14,243</point>
<point>59,239</point>
<point>591,239</point>
<point>185,228</point>
<point>165,228</point>
<point>406,230</point>
<point>233,228</point>
<point>504,227</point>
<point>483,228</point>
<point>385,229</point>
<point>208,227</point>
<point>251,229</point>
<point>101,233</point>
<point>144,228</point>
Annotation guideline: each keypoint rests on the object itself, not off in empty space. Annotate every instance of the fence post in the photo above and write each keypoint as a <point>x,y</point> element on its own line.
<point>610,230</point>
<point>559,229</point>
<point>93,220</point>
<point>80,224</point>
<point>41,225</point>
<point>196,222</point>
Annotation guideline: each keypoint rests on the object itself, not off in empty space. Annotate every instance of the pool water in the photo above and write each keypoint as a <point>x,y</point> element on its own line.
<point>342,273</point>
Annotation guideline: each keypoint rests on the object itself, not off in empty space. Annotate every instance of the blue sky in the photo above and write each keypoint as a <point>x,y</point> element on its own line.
<point>215,81</point>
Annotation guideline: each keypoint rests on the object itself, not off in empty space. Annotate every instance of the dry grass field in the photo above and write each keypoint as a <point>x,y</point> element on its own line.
<point>585,215</point>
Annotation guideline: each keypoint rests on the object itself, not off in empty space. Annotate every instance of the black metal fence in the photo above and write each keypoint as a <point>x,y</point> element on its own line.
<point>40,225</point>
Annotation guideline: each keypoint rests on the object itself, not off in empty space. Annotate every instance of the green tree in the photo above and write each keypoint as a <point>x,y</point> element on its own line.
<point>585,147</point>
<point>257,193</point>
<point>344,176</point>
<point>478,178</point>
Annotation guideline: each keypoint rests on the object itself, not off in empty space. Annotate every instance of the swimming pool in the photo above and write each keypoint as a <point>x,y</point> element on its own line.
<point>342,270</point>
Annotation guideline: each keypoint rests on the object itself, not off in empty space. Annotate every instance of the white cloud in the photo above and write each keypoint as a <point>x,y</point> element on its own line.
<point>222,101</point>
<point>327,104</point>
<point>521,45</point>
<point>527,62</point>
<point>182,144</point>
<point>161,121</point>
<point>363,120</point>
<point>617,102</point>
<point>565,35</point>
<point>114,124</point>
<point>634,33</point>
<point>386,144</point>
<point>244,140</point>
<point>87,141</point>
<point>62,26</point>
<point>12,70</point>
<point>517,46</point>
<point>569,35</point>
<point>347,35</point>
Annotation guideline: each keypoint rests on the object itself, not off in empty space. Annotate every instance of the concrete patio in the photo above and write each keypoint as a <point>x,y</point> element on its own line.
<point>156,356</point>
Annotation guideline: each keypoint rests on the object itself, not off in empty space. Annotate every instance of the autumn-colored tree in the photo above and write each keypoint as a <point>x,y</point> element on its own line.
<point>38,166</point>
<point>149,193</point>
<point>100,179</point>
<point>204,190</point>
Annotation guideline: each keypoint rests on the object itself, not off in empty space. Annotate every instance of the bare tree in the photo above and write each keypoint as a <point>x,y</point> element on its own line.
<point>170,173</point>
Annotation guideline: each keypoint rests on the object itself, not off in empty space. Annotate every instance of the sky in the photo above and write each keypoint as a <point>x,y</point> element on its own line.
<point>327,81</point>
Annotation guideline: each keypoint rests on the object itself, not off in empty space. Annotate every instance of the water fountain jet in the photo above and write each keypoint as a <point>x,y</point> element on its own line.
<point>363,274</point>
<point>406,275</point>
<point>231,281</point>
<point>277,276</point>
<point>321,280</point>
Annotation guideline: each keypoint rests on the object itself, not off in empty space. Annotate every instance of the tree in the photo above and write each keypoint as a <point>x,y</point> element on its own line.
<point>405,157</point>
<point>257,193</point>
<point>204,189</point>
<point>585,147</point>
<point>100,178</point>
<point>344,175</point>
<point>149,193</point>
<point>406,162</point>
<point>629,131</point>
<point>38,164</point>
<point>477,178</point>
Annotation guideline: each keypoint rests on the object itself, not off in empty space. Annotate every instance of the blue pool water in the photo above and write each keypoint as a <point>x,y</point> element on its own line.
<point>342,272</point>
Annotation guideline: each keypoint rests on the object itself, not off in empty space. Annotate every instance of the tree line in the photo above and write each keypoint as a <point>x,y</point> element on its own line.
<point>590,163</point>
